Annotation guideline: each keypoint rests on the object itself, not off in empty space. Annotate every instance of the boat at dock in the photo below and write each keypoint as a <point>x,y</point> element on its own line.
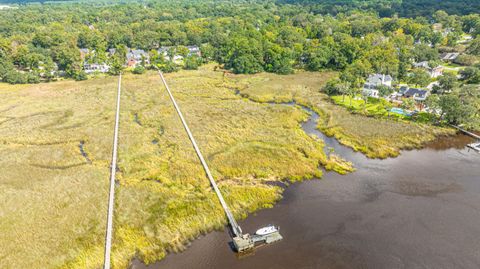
<point>266,230</point>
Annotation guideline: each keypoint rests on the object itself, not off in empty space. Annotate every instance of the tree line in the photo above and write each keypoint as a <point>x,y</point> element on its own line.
<point>245,36</point>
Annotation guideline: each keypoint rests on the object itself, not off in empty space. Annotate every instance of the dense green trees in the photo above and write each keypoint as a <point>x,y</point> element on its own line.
<point>419,77</point>
<point>446,83</point>
<point>247,37</point>
<point>471,75</point>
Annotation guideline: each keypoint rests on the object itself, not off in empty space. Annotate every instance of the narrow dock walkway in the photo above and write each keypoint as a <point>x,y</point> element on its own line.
<point>235,227</point>
<point>111,198</point>
<point>466,132</point>
<point>242,242</point>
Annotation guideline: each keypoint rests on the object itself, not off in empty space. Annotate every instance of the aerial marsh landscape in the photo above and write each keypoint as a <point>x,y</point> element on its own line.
<point>353,125</point>
<point>56,145</point>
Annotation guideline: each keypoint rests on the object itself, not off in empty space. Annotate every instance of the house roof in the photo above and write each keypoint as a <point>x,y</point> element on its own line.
<point>423,64</point>
<point>193,48</point>
<point>368,86</point>
<point>403,89</point>
<point>415,93</point>
<point>449,55</point>
<point>137,54</point>
<point>426,65</point>
<point>379,79</point>
<point>163,49</point>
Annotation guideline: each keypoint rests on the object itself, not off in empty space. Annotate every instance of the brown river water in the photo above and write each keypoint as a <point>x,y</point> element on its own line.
<point>419,210</point>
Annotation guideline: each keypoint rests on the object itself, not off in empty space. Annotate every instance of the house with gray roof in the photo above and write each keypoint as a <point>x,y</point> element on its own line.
<point>136,57</point>
<point>370,88</point>
<point>432,71</point>
<point>449,56</point>
<point>194,50</point>
<point>417,94</point>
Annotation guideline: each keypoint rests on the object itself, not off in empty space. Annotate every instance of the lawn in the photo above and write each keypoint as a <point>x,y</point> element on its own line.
<point>53,197</point>
<point>373,107</point>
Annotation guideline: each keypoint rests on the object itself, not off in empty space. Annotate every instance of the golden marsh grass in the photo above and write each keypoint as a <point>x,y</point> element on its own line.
<point>54,198</point>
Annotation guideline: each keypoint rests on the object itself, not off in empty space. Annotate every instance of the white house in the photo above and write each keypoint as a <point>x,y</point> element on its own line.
<point>375,80</point>
<point>95,67</point>
<point>90,67</point>
<point>192,50</point>
<point>434,72</point>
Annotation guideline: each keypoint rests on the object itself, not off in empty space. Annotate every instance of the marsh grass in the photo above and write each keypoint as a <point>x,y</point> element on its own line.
<point>52,201</point>
<point>53,198</point>
<point>375,137</point>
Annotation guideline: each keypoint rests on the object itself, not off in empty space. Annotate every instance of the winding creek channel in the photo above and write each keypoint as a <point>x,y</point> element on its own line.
<point>419,210</point>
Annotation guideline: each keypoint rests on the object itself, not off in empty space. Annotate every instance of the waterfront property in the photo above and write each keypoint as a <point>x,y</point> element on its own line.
<point>370,88</point>
<point>417,94</point>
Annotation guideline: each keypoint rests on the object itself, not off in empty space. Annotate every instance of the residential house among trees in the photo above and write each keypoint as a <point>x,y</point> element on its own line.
<point>137,57</point>
<point>434,72</point>
<point>450,56</point>
<point>177,57</point>
<point>95,67</point>
<point>89,63</point>
<point>417,94</point>
<point>194,50</point>
<point>370,88</point>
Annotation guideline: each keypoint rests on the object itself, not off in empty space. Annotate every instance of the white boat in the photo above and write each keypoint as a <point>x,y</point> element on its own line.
<point>266,230</point>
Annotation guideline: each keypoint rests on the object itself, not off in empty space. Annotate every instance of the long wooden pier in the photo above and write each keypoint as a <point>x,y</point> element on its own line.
<point>234,225</point>
<point>474,146</point>
<point>466,132</point>
<point>113,169</point>
<point>241,241</point>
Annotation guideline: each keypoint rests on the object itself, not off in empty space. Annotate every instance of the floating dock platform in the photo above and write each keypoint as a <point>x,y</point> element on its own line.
<point>247,242</point>
<point>474,146</point>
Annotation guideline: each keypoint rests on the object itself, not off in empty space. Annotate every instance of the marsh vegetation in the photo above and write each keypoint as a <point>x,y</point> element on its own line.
<point>55,141</point>
<point>375,137</point>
